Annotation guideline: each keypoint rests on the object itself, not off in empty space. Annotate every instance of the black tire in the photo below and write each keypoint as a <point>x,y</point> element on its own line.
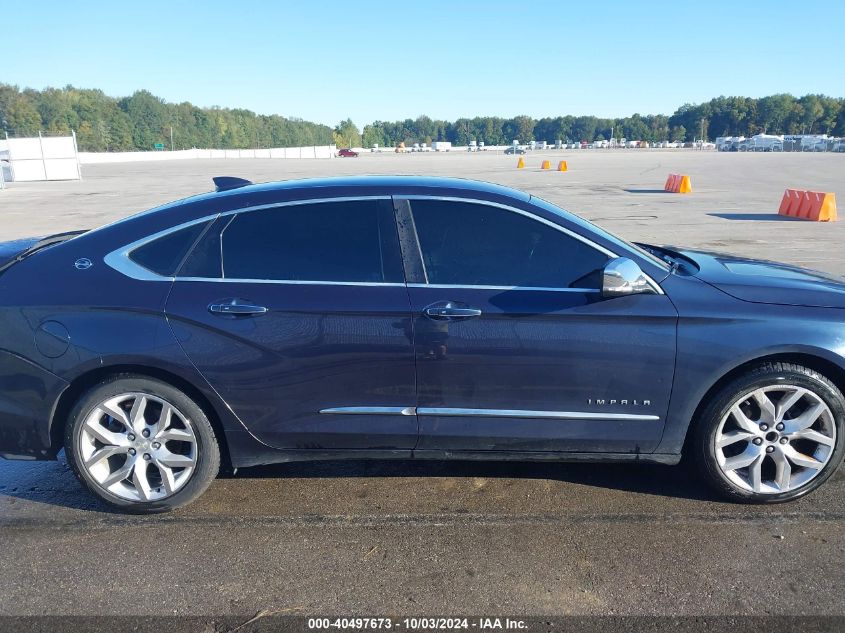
<point>765,374</point>
<point>207,450</point>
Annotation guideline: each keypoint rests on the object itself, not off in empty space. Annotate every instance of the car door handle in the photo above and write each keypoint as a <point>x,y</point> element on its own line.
<point>236,307</point>
<point>449,313</point>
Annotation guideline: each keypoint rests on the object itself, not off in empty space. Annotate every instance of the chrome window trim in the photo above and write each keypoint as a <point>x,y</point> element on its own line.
<point>519,413</point>
<point>505,288</point>
<point>605,251</point>
<point>120,261</point>
<point>292,282</point>
<point>292,203</point>
<point>506,207</point>
<point>591,226</point>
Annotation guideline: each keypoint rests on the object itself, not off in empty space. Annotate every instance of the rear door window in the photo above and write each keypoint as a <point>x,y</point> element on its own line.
<point>163,255</point>
<point>344,241</point>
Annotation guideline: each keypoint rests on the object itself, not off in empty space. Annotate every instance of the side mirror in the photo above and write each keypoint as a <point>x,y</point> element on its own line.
<point>622,276</point>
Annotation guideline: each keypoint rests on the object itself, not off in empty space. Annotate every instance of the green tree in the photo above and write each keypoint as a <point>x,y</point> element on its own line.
<point>374,135</point>
<point>584,128</point>
<point>103,135</point>
<point>813,110</point>
<point>772,112</point>
<point>831,113</point>
<point>148,116</point>
<point>346,134</point>
<point>520,128</point>
<point>22,119</point>
<point>105,123</point>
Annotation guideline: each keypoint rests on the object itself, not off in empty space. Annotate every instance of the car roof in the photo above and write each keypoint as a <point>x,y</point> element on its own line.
<point>271,193</point>
<point>342,186</point>
<point>385,184</point>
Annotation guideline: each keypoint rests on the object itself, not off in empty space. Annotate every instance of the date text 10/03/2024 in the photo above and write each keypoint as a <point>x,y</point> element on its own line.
<point>422,623</point>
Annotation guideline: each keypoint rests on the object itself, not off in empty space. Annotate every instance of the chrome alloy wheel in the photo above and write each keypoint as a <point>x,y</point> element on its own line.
<point>138,447</point>
<point>775,439</point>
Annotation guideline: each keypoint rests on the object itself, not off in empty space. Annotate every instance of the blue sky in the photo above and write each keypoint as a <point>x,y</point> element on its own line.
<point>369,60</point>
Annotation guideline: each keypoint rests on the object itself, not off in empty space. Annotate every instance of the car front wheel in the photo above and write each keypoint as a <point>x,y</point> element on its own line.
<point>141,445</point>
<point>773,434</point>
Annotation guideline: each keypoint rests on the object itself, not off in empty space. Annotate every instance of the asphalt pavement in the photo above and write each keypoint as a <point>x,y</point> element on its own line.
<point>439,538</point>
<point>435,538</point>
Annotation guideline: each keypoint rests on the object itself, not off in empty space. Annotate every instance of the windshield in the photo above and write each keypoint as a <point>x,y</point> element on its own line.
<point>548,206</point>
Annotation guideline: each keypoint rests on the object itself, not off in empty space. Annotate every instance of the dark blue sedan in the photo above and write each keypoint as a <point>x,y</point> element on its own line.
<point>398,317</point>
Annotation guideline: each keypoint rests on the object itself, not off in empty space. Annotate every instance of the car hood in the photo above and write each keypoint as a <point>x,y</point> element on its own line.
<point>761,281</point>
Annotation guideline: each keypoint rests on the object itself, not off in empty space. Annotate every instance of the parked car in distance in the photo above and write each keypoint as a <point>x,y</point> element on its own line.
<point>514,150</point>
<point>408,317</point>
<point>347,153</point>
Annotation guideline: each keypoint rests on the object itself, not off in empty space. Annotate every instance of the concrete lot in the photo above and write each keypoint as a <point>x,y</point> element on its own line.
<point>733,206</point>
<point>440,538</point>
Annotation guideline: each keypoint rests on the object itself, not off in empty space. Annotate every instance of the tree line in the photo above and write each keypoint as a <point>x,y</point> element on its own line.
<point>139,122</point>
<point>722,116</point>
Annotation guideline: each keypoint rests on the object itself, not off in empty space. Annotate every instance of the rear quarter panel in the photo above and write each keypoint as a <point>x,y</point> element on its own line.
<point>107,319</point>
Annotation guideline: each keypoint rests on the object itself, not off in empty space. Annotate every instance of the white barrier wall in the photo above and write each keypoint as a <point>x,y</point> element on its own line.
<point>5,167</point>
<point>314,151</point>
<point>43,158</point>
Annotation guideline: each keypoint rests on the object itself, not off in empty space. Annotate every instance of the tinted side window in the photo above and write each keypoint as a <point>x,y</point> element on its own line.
<point>163,255</point>
<point>471,244</point>
<point>352,241</point>
<point>204,259</point>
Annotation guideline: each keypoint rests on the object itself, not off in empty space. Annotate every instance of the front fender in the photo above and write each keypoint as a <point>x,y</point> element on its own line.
<point>717,334</point>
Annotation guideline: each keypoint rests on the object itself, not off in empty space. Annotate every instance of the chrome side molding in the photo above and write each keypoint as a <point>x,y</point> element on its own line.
<point>490,413</point>
<point>521,413</point>
<point>371,410</point>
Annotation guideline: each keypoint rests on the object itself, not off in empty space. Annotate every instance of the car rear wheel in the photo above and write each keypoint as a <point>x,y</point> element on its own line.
<point>773,434</point>
<point>141,445</point>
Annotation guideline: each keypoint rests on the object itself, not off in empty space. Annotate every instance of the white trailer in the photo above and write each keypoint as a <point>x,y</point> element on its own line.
<point>441,146</point>
<point>728,143</point>
<point>814,142</point>
<point>765,143</point>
